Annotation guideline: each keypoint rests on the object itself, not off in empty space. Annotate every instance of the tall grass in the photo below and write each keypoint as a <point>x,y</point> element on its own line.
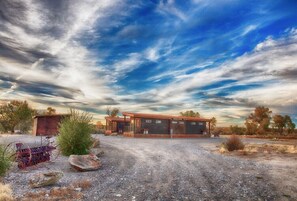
<point>75,133</point>
<point>5,160</point>
<point>5,192</point>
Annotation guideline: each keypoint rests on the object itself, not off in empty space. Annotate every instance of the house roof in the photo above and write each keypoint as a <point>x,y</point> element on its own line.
<point>50,115</point>
<point>159,116</point>
<point>119,119</point>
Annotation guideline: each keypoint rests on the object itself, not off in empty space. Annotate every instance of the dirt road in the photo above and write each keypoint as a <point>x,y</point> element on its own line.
<point>163,169</point>
<point>181,169</point>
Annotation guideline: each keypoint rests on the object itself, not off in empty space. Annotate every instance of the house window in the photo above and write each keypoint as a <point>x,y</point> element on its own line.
<point>158,121</point>
<point>148,121</point>
<point>200,123</point>
<point>193,123</point>
<point>181,122</point>
<point>174,122</point>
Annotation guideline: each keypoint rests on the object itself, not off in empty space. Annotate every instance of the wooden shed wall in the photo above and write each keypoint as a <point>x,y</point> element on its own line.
<point>47,125</point>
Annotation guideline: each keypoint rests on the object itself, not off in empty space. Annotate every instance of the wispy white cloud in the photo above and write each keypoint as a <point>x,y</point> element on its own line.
<point>249,29</point>
<point>128,64</point>
<point>170,8</point>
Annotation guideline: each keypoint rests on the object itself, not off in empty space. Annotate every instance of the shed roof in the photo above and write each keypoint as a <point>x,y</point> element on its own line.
<point>50,115</point>
<point>119,119</point>
<point>159,116</point>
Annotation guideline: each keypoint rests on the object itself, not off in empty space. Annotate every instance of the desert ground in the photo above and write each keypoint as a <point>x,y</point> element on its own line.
<point>170,169</point>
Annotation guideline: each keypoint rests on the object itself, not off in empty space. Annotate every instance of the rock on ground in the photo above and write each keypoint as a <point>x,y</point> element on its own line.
<point>45,179</point>
<point>84,162</point>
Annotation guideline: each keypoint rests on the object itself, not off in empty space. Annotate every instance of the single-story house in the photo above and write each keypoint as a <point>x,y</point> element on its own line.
<point>166,126</point>
<point>116,125</point>
<point>47,125</point>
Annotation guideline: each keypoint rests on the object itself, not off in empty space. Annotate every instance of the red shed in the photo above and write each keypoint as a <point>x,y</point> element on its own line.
<point>47,124</point>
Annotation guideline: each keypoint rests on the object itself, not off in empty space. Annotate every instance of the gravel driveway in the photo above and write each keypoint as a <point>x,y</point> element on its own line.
<point>164,169</point>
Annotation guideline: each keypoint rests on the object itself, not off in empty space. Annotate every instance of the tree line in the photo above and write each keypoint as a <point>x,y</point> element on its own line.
<point>262,122</point>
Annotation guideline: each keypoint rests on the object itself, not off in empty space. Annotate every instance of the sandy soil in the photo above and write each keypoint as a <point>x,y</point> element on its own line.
<point>170,169</point>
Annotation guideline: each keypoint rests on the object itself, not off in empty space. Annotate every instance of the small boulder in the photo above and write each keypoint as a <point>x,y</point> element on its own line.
<point>107,132</point>
<point>45,179</point>
<point>84,163</point>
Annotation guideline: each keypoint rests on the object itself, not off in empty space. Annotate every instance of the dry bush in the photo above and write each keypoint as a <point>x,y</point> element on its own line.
<point>35,196</point>
<point>234,143</point>
<point>66,193</point>
<point>83,184</point>
<point>5,192</point>
<point>63,193</point>
<point>271,148</point>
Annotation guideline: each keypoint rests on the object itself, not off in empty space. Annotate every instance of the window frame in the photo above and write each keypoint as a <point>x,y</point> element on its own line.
<point>148,121</point>
<point>158,121</point>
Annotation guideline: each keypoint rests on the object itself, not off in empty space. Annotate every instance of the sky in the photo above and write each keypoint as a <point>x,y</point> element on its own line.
<point>221,58</point>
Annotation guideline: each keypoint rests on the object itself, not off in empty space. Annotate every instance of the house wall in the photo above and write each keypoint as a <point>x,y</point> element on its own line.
<point>154,126</point>
<point>195,127</point>
<point>177,127</point>
<point>121,126</point>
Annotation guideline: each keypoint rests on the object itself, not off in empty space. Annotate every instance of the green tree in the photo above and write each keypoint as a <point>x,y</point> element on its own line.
<point>190,113</point>
<point>50,111</point>
<point>75,133</point>
<point>289,124</point>
<point>115,112</point>
<point>237,130</point>
<point>259,119</point>
<point>112,112</point>
<point>213,123</point>
<point>279,122</point>
<point>16,113</point>
<point>251,127</point>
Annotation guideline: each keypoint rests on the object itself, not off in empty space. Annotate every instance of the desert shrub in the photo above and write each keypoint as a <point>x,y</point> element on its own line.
<point>5,192</point>
<point>5,160</point>
<point>83,184</point>
<point>234,143</point>
<point>237,130</point>
<point>56,193</point>
<point>75,133</point>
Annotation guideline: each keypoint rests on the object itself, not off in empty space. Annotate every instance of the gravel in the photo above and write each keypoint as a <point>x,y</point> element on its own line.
<point>159,169</point>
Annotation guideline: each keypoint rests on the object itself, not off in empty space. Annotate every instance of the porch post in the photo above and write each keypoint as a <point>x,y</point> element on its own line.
<point>134,126</point>
<point>209,128</point>
<point>124,123</point>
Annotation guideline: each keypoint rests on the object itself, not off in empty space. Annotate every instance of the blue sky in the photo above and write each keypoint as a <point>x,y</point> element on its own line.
<point>221,58</point>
